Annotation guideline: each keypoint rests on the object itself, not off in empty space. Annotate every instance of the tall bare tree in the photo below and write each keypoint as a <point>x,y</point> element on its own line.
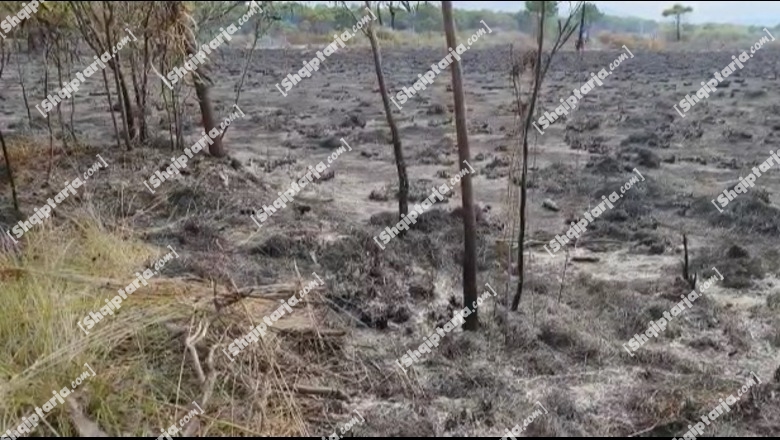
<point>469,216</point>
<point>391,8</point>
<point>400,165</point>
<point>526,113</point>
<point>99,33</point>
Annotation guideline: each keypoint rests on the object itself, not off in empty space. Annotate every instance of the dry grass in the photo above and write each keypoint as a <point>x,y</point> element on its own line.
<point>616,41</point>
<point>144,379</point>
<point>403,38</point>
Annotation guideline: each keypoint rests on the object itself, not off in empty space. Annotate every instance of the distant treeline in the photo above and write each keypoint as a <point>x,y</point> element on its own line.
<point>426,17</point>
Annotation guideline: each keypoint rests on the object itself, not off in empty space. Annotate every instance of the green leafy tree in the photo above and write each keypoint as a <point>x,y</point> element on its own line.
<point>592,13</point>
<point>677,11</point>
<point>534,9</point>
<point>550,7</point>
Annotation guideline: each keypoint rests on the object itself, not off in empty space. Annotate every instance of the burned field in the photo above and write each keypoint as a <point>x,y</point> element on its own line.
<point>563,348</point>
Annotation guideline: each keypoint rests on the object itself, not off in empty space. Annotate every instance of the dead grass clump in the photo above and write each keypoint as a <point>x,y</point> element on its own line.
<point>286,246</point>
<point>748,212</point>
<point>565,419</point>
<point>461,344</point>
<point>369,285</point>
<point>737,332</point>
<point>545,362</point>
<point>738,268</point>
<point>604,165</point>
<point>521,335</point>
<point>559,178</point>
<point>773,301</point>
<point>419,190</point>
<point>760,408</point>
<point>647,159</point>
<point>635,320</point>
<point>578,345</point>
<point>398,420</point>
<point>463,383</point>
<point>661,359</point>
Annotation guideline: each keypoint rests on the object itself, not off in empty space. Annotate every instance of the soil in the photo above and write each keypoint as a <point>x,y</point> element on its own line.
<point>563,347</point>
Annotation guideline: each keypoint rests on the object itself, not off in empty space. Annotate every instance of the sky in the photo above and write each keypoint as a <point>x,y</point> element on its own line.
<point>745,13</point>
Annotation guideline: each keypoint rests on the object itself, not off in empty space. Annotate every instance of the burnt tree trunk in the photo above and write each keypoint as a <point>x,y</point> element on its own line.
<point>121,87</point>
<point>581,40</point>
<point>10,173</point>
<point>524,176</point>
<point>403,180</point>
<point>469,220</point>
<point>202,88</point>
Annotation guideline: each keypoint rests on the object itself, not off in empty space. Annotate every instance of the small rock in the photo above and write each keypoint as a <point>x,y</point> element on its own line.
<point>585,259</point>
<point>657,249</point>
<point>354,120</point>
<point>737,251</point>
<point>378,196</point>
<point>331,143</point>
<point>436,109</point>
<point>549,204</point>
<point>327,175</point>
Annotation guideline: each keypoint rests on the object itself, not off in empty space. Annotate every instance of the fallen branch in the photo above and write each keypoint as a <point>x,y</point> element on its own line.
<point>327,392</point>
<point>586,259</point>
<point>309,330</point>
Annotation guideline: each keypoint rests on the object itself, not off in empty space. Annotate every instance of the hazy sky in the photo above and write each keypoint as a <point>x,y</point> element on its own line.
<point>746,13</point>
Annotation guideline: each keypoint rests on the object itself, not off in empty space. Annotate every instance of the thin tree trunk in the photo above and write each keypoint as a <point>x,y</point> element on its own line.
<point>21,82</point>
<point>403,180</point>
<point>121,92</point>
<point>249,56</point>
<point>145,78</point>
<point>5,58</point>
<point>47,49</point>
<point>72,127</point>
<point>202,88</point>
<point>59,79</point>
<point>469,220</point>
<point>10,172</point>
<point>123,110</point>
<point>524,176</point>
<point>137,90</point>
<point>581,40</point>
<point>111,109</point>
<point>678,28</point>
